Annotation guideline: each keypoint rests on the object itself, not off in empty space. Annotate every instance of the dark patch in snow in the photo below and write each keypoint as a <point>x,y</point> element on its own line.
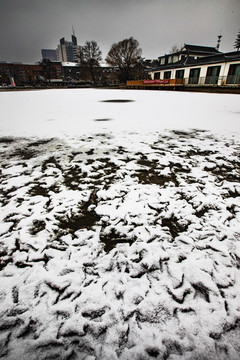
<point>24,153</point>
<point>152,351</point>
<point>118,101</point>
<point>112,238</point>
<point>201,291</point>
<point>174,226</point>
<point>51,162</point>
<point>7,140</point>
<point>199,152</point>
<point>40,189</point>
<point>151,177</point>
<point>85,219</point>
<point>13,218</point>
<point>73,177</point>
<point>15,294</point>
<point>179,298</point>
<point>37,226</point>
<point>172,347</point>
<point>40,142</point>
<point>29,330</point>
<point>93,314</point>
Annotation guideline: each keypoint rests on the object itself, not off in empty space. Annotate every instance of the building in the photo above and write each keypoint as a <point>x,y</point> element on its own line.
<point>187,53</point>
<point>49,54</point>
<point>194,66</point>
<point>22,74</point>
<point>71,72</point>
<point>68,51</point>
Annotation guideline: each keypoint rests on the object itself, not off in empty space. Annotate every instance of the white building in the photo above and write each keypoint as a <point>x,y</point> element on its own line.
<point>199,65</point>
<point>194,66</point>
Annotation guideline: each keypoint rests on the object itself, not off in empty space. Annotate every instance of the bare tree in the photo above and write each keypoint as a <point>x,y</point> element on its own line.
<point>237,41</point>
<point>175,48</point>
<point>126,55</point>
<point>90,56</point>
<point>48,70</point>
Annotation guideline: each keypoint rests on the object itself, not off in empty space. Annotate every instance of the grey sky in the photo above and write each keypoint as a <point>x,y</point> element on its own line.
<point>27,26</point>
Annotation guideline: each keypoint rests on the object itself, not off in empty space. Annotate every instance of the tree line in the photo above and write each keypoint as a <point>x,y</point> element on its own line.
<point>125,56</point>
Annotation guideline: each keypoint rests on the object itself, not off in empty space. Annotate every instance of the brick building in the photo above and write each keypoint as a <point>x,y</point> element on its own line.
<point>22,74</point>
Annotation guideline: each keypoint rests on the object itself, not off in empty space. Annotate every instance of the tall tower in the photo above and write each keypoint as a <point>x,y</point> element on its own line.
<point>68,51</point>
<point>74,39</point>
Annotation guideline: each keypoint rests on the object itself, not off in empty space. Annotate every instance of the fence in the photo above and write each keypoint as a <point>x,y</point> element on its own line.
<point>230,80</point>
<point>223,81</point>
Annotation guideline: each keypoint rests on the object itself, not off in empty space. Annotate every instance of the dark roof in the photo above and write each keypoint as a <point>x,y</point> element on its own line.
<point>205,49</point>
<point>212,59</point>
<point>194,50</point>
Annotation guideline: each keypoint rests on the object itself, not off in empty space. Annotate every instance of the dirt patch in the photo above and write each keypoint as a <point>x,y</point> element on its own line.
<point>38,189</point>
<point>86,218</point>
<point>40,142</point>
<point>175,228</point>
<point>51,162</point>
<point>37,226</point>
<point>225,172</point>
<point>24,153</point>
<point>152,177</point>
<point>73,177</point>
<point>6,140</point>
<point>113,238</point>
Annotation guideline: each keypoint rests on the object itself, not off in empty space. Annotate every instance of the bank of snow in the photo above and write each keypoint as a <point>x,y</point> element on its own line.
<point>119,225</point>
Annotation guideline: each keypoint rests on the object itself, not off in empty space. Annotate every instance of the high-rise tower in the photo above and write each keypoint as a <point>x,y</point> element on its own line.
<point>68,50</point>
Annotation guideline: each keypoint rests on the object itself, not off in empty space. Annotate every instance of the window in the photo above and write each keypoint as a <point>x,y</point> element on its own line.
<point>194,76</point>
<point>156,75</point>
<point>212,74</point>
<point>234,74</point>
<point>167,74</point>
<point>179,74</point>
<point>175,58</point>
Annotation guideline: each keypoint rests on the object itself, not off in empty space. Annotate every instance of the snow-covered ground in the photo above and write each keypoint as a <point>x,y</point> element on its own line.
<point>119,225</point>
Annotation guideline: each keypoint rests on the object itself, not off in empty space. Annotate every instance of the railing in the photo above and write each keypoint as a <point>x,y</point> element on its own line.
<point>155,83</point>
<point>231,80</point>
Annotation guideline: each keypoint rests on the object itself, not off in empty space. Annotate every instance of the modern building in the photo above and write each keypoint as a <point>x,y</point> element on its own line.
<point>68,51</point>
<point>49,54</point>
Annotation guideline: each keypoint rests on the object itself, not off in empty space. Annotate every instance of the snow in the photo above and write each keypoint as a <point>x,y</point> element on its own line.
<point>119,225</point>
<point>47,112</point>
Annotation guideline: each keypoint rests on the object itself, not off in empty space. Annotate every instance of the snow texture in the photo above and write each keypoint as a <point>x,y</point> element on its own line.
<point>119,230</point>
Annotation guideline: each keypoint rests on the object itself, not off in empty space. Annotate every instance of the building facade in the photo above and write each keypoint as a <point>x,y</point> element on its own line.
<point>22,74</point>
<point>194,66</point>
<point>68,51</point>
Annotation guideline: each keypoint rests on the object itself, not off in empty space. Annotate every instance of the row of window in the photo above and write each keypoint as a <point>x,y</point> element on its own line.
<point>212,75</point>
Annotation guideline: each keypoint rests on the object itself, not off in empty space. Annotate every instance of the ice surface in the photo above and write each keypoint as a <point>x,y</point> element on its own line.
<point>119,239</point>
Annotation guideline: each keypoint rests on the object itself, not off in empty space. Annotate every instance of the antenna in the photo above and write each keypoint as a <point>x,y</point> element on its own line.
<point>219,41</point>
<point>73,30</point>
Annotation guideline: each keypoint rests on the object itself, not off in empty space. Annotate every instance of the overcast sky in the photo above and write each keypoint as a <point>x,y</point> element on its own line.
<point>27,26</point>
